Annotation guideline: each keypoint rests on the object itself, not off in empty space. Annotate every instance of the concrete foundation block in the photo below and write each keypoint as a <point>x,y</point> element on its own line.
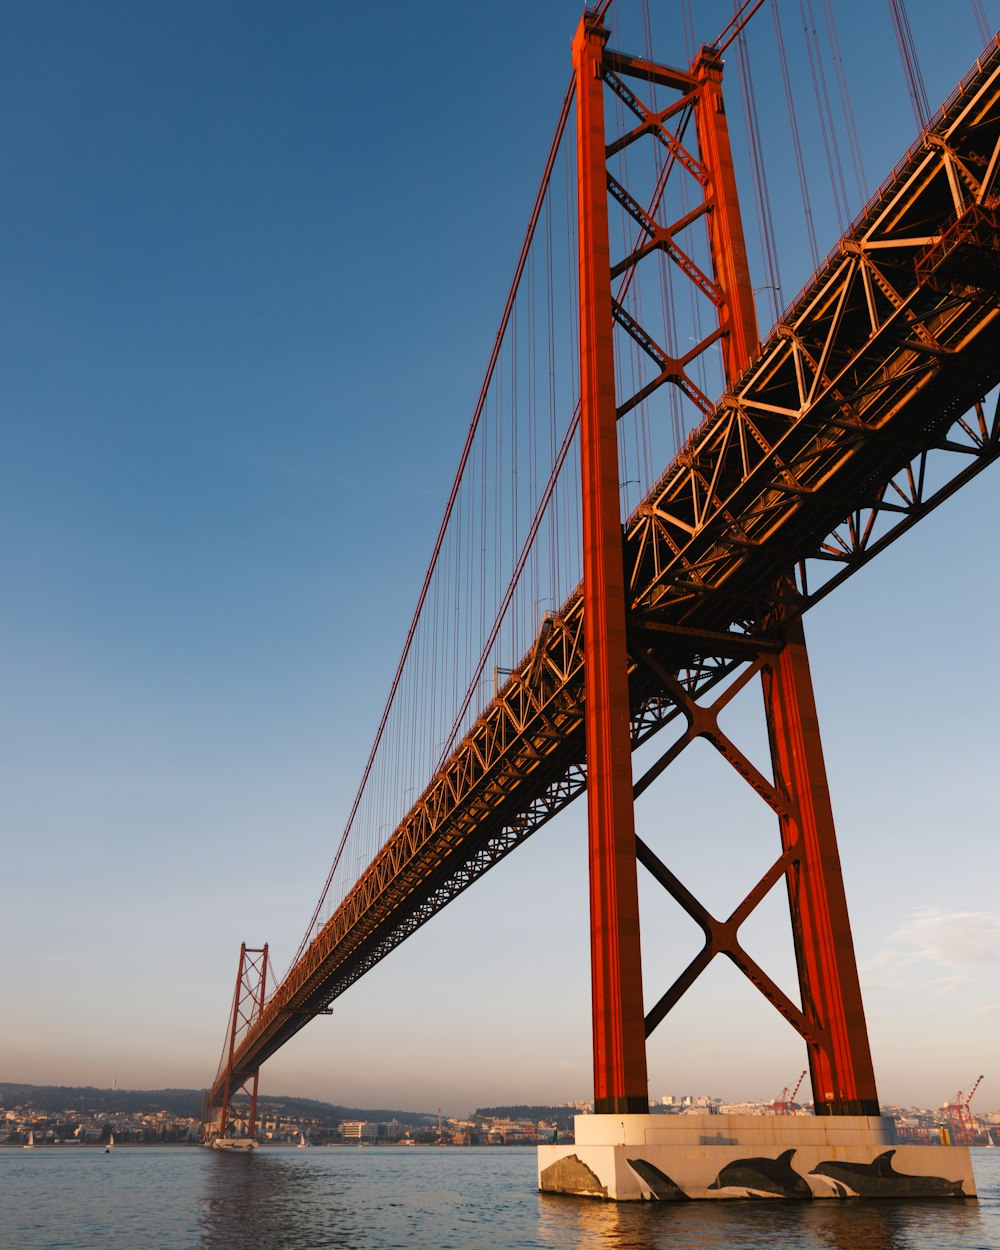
<point>632,1158</point>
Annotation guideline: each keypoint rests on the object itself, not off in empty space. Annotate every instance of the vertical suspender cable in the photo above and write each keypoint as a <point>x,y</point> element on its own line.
<point>853,142</point>
<point>796,138</point>
<point>979,10</point>
<point>765,215</point>
<point>529,234</point>
<point>824,112</point>
<point>911,66</point>
<point>518,569</point>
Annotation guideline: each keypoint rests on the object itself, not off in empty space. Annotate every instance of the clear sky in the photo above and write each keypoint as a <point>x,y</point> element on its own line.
<point>253,260</point>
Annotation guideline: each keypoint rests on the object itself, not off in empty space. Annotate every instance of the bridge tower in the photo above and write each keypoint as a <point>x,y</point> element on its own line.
<point>836,1034</point>
<point>234,1117</point>
<point>831,1019</point>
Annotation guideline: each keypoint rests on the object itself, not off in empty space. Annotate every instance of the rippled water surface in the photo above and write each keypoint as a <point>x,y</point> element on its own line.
<point>145,1198</point>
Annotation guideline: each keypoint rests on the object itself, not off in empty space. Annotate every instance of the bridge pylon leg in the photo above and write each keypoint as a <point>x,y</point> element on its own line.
<point>843,1079</point>
<point>620,1081</point>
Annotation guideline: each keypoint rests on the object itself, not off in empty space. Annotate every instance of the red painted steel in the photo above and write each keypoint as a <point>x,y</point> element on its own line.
<point>737,313</point>
<point>620,1082</point>
<point>840,1062</point>
<point>961,1122</point>
<point>248,1003</point>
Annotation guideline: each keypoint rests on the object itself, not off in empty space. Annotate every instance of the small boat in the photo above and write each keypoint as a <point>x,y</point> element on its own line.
<point>30,1143</point>
<point>302,1143</point>
<point>111,1143</point>
<point>235,1145</point>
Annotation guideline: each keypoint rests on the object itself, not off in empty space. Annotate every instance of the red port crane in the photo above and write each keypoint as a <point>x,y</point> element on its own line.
<point>961,1125</point>
<point>784,1104</point>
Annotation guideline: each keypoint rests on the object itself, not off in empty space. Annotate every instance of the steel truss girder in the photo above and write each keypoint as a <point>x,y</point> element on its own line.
<point>868,372</point>
<point>872,370</point>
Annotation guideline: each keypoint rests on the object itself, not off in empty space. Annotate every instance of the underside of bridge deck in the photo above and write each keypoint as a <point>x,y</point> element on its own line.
<point>815,458</point>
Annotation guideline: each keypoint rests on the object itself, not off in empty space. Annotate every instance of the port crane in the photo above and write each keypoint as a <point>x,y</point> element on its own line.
<point>961,1124</point>
<point>784,1104</point>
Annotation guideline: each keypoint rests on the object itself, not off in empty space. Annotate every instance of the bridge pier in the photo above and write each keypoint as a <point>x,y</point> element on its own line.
<point>622,1153</point>
<point>682,1158</point>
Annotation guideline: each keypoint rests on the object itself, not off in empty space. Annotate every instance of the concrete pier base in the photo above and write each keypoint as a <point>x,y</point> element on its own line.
<point>678,1158</point>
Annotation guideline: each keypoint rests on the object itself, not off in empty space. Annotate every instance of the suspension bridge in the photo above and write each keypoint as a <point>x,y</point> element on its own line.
<point>767,470</point>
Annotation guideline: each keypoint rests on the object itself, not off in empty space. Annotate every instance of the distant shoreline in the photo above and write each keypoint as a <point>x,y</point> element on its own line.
<point>99,1147</point>
<point>95,1145</point>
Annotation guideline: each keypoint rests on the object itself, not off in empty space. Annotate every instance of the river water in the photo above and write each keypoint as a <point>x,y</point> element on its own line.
<point>344,1198</point>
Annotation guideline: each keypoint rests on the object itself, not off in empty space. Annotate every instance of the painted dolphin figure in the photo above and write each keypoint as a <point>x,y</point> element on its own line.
<point>879,1179</point>
<point>764,1176</point>
<point>660,1185</point>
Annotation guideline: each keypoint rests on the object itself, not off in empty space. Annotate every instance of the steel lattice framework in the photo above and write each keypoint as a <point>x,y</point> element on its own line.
<point>860,413</point>
<point>234,1112</point>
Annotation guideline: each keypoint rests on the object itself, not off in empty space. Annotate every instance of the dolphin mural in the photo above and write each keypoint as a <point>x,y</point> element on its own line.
<point>764,1177</point>
<point>879,1179</point>
<point>660,1185</point>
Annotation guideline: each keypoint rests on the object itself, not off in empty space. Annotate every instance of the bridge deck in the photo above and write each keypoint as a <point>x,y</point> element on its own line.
<point>897,336</point>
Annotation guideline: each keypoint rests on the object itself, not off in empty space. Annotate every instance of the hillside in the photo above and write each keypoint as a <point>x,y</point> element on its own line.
<point>185,1102</point>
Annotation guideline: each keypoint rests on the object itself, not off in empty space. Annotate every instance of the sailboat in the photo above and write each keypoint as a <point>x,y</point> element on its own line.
<point>989,1138</point>
<point>30,1143</point>
<point>111,1141</point>
<point>302,1143</point>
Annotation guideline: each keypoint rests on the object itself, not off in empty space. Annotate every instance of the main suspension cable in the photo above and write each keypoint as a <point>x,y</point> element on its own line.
<point>736,24</point>
<point>449,507</point>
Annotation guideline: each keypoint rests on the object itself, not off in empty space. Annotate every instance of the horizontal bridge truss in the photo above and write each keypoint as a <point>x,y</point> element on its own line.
<point>860,413</point>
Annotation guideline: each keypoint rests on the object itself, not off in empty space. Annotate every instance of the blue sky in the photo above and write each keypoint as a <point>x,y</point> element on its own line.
<point>254,257</point>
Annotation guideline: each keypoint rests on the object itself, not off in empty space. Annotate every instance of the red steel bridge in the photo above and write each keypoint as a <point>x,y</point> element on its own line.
<point>794,461</point>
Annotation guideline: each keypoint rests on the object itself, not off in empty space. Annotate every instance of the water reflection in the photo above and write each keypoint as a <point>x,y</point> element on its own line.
<point>363,1200</point>
<point>762,1225</point>
<point>486,1200</point>
<point>251,1202</point>
<point>424,1199</point>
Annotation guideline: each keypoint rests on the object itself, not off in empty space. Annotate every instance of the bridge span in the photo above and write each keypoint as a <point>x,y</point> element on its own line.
<point>812,461</point>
